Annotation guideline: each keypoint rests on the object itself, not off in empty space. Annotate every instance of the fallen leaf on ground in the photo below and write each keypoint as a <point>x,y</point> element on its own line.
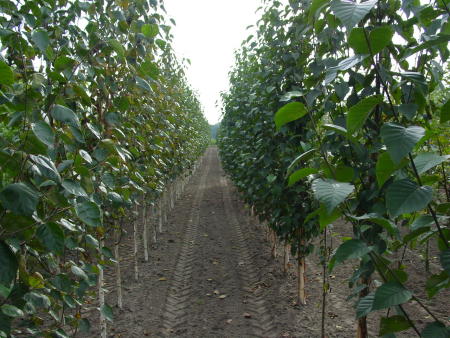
<point>247,315</point>
<point>162,279</point>
<point>222,296</point>
<point>229,321</point>
<point>216,292</point>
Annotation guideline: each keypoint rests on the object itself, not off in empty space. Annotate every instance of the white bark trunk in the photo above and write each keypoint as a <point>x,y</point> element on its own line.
<point>118,271</point>
<point>135,240</point>
<point>101,297</point>
<point>160,215</point>
<point>145,230</point>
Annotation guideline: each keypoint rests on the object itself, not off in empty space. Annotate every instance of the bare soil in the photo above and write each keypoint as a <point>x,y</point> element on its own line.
<point>211,274</point>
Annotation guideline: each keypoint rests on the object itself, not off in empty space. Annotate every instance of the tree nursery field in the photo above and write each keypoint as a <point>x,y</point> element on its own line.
<point>323,211</point>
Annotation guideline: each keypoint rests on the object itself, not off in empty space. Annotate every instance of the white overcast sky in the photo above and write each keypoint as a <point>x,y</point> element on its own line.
<point>207,32</point>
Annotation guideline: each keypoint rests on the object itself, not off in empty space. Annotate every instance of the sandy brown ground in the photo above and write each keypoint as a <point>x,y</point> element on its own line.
<point>211,274</point>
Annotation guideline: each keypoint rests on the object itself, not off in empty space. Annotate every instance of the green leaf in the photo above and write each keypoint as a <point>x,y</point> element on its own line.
<point>445,112</point>
<point>150,30</point>
<point>405,196</point>
<point>364,306</point>
<point>344,173</point>
<point>38,299</point>
<point>357,114</point>
<point>6,74</point>
<point>435,330</point>
<point>437,282</point>
<point>409,110</point>
<point>44,133</point>
<point>445,260</point>
<point>422,221</point>
<point>65,115</point>
<point>12,311</point>
<point>107,312</point>
<point>351,249</point>
<point>390,294</point>
<point>440,39</point>
<point>84,325</point>
<point>9,264</point>
<point>41,40</point>
<point>143,84</point>
<point>79,272</point>
<point>46,167</point>
<point>384,168</point>
<point>315,6</point>
<point>302,157</point>
<point>289,112</point>
<point>291,95</point>
<point>400,140</point>
<point>300,174</point>
<point>379,38</point>
<point>52,237</point>
<point>351,13</point>
<point>426,161</point>
<point>89,213</point>
<point>347,63</point>
<point>325,218</point>
<point>74,187</point>
<point>331,192</point>
<point>117,47</point>
<point>64,62</point>
<point>393,324</point>
<point>19,198</point>
<point>338,129</point>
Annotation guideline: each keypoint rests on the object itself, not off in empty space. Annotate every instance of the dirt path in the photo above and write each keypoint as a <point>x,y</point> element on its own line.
<point>211,274</point>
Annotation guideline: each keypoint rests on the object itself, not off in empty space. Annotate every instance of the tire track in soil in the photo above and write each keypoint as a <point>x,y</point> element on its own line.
<point>261,319</point>
<point>178,296</point>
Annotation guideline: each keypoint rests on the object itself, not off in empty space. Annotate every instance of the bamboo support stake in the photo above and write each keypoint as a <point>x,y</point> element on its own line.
<point>101,297</point>
<point>118,271</point>
<point>135,240</point>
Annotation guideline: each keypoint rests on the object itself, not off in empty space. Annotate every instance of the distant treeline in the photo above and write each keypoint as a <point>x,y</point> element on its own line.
<point>214,128</point>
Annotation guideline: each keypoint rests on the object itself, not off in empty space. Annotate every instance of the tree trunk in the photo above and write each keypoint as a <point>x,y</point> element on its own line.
<point>118,271</point>
<point>135,240</point>
<point>101,297</point>
<point>301,280</point>
<point>160,215</point>
<point>145,230</point>
<point>362,322</point>
<point>287,251</point>
<point>274,243</point>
